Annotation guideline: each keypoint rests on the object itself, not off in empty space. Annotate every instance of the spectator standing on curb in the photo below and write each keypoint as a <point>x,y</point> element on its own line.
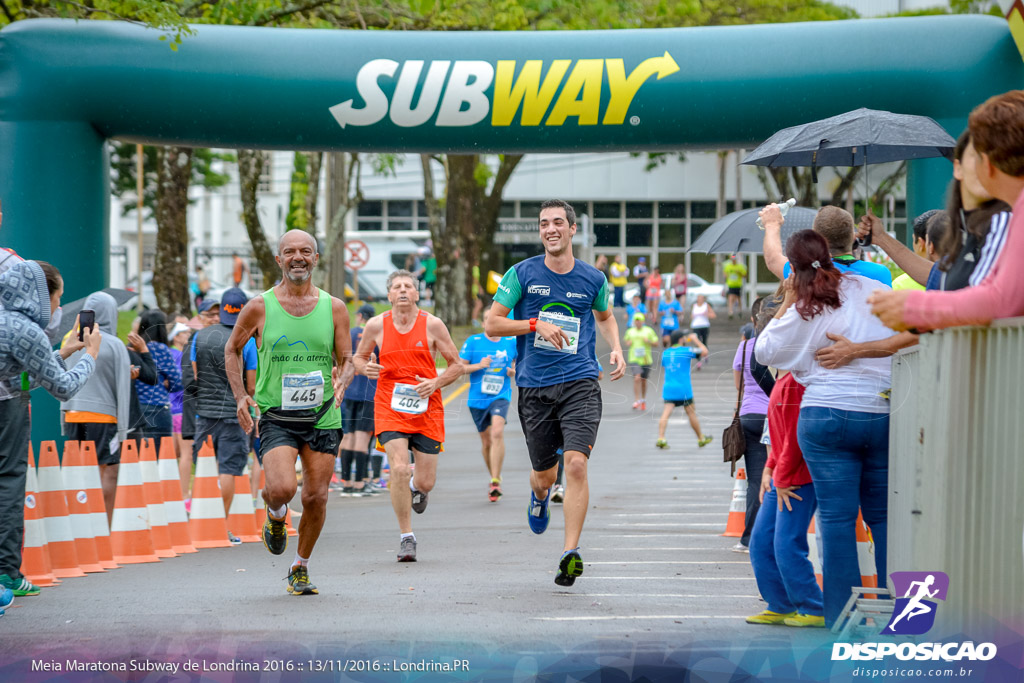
<point>357,415</point>
<point>640,273</point>
<point>619,278</point>
<point>155,399</point>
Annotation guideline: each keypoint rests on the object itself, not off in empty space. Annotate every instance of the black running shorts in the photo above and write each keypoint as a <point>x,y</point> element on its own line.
<point>562,416</point>
<point>417,442</point>
<point>275,434</point>
<point>101,434</point>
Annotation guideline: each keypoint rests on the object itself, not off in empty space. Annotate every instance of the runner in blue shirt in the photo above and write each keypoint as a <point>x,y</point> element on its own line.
<point>491,360</point>
<point>559,302</point>
<point>669,311</point>
<point>677,390</point>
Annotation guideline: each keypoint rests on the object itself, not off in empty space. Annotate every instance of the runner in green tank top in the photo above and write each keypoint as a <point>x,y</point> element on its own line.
<point>303,343</point>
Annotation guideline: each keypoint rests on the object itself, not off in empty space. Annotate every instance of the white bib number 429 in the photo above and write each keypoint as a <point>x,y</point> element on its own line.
<point>299,392</point>
<point>404,399</point>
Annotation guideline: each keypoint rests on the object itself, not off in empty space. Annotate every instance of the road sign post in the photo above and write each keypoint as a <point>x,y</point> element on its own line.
<point>357,255</point>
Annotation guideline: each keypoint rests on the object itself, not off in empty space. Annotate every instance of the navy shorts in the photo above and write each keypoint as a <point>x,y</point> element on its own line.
<point>230,443</point>
<point>482,416</point>
<point>357,416</point>
<point>274,434</point>
<point>679,402</point>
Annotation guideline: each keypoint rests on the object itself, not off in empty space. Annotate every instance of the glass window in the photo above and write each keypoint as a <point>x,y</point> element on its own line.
<point>702,265</point>
<point>421,208</point>
<point>399,225</point>
<point>639,210</point>
<point>399,208</point>
<point>607,234</point>
<point>671,210</point>
<point>671,235</point>
<point>667,261</point>
<point>529,210</point>
<point>371,208</point>
<point>639,235</point>
<point>506,210</point>
<point>606,210</point>
<point>368,225</point>
<point>703,209</point>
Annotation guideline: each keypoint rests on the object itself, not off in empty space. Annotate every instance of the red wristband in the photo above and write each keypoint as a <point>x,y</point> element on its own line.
<point>533,324</point>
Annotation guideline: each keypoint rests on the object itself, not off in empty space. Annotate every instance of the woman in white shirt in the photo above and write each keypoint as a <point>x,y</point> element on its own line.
<point>843,429</point>
<point>701,315</point>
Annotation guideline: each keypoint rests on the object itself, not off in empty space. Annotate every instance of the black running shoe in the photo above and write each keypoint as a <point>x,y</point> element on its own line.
<point>407,551</point>
<point>419,501</point>
<point>298,582</point>
<point>569,567</point>
<point>275,535</point>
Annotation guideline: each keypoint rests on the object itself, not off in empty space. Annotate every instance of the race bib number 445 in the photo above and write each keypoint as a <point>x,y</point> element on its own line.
<point>404,399</point>
<point>299,392</point>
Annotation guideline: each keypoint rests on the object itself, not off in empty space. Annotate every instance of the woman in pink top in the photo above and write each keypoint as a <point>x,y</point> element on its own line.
<point>997,132</point>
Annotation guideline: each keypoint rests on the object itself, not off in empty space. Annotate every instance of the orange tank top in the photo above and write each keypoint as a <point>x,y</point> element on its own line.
<point>404,357</point>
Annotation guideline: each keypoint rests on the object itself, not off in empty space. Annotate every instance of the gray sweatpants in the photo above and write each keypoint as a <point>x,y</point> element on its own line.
<point>14,436</point>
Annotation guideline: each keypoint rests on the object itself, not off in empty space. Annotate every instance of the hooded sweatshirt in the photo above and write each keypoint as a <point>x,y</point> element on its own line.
<point>23,344</point>
<point>11,388</point>
<point>108,391</point>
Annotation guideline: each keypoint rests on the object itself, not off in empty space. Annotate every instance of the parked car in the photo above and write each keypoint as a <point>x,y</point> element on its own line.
<point>695,284</point>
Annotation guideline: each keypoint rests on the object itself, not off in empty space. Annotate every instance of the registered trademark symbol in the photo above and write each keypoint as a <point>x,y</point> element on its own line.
<point>634,120</point>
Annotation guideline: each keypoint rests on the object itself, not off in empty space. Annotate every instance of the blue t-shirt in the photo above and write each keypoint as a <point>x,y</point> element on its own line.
<point>669,314</point>
<point>249,354</point>
<point>502,353</point>
<point>676,361</point>
<point>362,387</point>
<point>875,271</point>
<point>631,309</point>
<point>530,287</point>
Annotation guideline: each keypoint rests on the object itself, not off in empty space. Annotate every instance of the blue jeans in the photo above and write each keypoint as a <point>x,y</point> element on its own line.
<point>754,460</point>
<point>778,553</point>
<point>847,454</point>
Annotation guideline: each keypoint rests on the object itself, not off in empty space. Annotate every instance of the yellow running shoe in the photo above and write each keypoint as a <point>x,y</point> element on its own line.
<point>803,620</point>
<point>770,617</point>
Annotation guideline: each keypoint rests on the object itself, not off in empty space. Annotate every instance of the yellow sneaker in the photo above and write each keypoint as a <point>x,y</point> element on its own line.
<point>802,620</point>
<point>770,617</point>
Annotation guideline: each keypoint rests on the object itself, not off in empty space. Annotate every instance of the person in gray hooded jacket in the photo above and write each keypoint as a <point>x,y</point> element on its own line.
<point>28,292</point>
<point>100,411</point>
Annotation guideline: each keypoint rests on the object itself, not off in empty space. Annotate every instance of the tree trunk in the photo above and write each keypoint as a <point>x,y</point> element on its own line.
<point>453,248</point>
<point>250,166</point>
<point>343,193</point>
<point>170,271</point>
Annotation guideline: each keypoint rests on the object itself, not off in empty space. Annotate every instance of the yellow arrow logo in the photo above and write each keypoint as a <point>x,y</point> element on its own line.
<point>624,89</point>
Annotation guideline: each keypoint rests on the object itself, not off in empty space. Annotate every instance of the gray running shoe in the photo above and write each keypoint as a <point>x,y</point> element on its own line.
<point>407,551</point>
<point>419,501</point>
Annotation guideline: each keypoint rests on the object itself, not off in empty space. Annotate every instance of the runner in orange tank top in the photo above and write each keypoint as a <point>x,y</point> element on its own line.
<point>408,413</point>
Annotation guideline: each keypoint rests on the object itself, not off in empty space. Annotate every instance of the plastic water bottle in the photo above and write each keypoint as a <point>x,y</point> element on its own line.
<point>783,209</point>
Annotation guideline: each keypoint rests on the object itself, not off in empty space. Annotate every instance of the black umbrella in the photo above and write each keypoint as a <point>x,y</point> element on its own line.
<point>856,138</point>
<point>70,311</point>
<point>737,232</point>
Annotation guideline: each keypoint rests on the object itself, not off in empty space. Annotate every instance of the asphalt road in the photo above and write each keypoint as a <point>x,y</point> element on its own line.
<point>660,581</point>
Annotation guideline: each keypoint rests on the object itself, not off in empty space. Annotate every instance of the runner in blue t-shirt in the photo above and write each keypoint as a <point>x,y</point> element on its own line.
<point>558,303</point>
<point>357,419</point>
<point>669,311</point>
<point>491,362</point>
<point>677,390</point>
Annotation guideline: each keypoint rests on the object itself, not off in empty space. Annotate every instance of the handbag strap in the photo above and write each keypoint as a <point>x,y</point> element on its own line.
<point>743,369</point>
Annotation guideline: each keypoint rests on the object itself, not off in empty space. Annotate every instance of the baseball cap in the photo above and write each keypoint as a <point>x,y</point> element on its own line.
<point>231,303</point>
<point>207,304</point>
<point>178,329</point>
<point>367,311</point>
<point>642,259</point>
<point>638,316</point>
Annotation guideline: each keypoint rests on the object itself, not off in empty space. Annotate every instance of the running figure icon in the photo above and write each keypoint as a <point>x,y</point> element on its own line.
<point>915,607</point>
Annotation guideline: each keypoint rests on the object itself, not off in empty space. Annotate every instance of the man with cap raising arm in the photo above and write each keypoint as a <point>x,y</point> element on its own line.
<point>215,405</point>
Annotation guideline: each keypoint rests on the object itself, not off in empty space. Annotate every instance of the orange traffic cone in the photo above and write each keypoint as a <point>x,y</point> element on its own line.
<point>814,553</point>
<point>73,473</point>
<point>259,503</point>
<point>174,507</point>
<point>59,536</point>
<point>865,554</point>
<point>738,507</point>
<point>97,508</point>
<point>35,555</point>
<point>130,538</point>
<point>242,515</point>
<point>154,497</point>
<point>207,524</point>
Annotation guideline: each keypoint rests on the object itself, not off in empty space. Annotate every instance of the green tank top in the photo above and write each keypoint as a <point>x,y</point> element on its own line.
<point>295,361</point>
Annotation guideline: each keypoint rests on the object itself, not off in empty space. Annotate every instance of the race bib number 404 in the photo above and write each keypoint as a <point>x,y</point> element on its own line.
<point>569,324</point>
<point>299,392</point>
<point>404,399</point>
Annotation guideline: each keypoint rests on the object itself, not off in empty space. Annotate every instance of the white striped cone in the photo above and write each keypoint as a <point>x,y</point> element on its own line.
<point>97,506</point>
<point>174,507</point>
<point>207,524</point>
<point>154,497</point>
<point>736,522</point>
<point>866,554</point>
<point>77,495</point>
<point>129,532</point>
<point>814,551</point>
<point>59,537</point>
<point>35,555</point>
<point>242,514</point>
